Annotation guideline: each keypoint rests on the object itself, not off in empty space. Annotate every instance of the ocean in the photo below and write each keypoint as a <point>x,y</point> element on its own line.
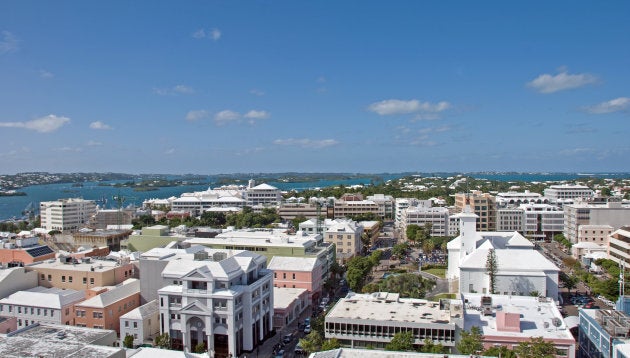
<point>13,206</point>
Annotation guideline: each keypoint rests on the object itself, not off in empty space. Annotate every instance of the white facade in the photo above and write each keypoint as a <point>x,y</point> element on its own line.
<point>403,203</point>
<point>614,214</point>
<point>510,219</point>
<point>221,298</point>
<point>514,198</point>
<point>66,214</point>
<point>41,305</point>
<point>141,323</point>
<point>419,215</point>
<point>263,195</point>
<point>16,279</point>
<point>619,245</point>
<point>559,193</point>
<point>542,220</point>
<point>521,269</point>
<point>385,205</point>
<point>346,235</point>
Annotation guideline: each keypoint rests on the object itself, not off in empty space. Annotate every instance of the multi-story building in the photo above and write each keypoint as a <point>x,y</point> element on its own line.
<point>437,217</point>
<point>41,305</point>
<point>66,215</point>
<point>350,205</point>
<point>288,305</point>
<point>510,320</point>
<point>100,238</point>
<point>385,205</point>
<point>600,331</point>
<point>615,214</point>
<point>514,198</point>
<point>289,211</point>
<point>542,221</point>
<point>105,217</point>
<point>372,320</point>
<point>401,204</point>
<point>298,272</point>
<point>198,202</point>
<point>219,298</point>
<point>482,204</point>
<point>142,323</point>
<point>510,219</point>
<point>24,252</point>
<point>346,236</point>
<point>619,245</point>
<point>562,192</point>
<point>595,233</point>
<point>262,195</point>
<point>67,273</point>
<point>104,310</point>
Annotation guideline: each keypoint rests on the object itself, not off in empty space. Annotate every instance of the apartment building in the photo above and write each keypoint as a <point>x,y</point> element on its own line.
<point>142,323</point>
<point>289,211</point>
<point>298,272</point>
<point>219,298</point>
<point>600,331</point>
<point>66,215</point>
<point>510,219</point>
<point>612,213</point>
<point>482,204</point>
<point>372,320</point>
<point>346,236</point>
<point>104,310</point>
<point>564,192</point>
<point>350,205</point>
<point>68,273</point>
<point>437,217</point>
<point>41,305</point>
<point>542,221</point>
<point>385,205</point>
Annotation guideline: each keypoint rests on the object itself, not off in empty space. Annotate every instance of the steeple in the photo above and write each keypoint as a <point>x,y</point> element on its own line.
<point>467,230</point>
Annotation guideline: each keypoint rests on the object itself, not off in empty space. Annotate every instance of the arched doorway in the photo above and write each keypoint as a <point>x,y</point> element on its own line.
<point>197,333</point>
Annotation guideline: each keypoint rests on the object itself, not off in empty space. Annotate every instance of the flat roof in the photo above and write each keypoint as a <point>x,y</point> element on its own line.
<point>375,353</point>
<point>45,340</point>
<point>257,238</point>
<point>149,352</point>
<point>286,263</point>
<point>383,306</point>
<point>284,296</point>
<point>93,265</point>
<point>537,317</point>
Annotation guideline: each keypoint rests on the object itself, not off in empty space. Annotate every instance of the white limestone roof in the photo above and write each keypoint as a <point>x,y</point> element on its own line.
<point>533,311</point>
<point>597,255</point>
<point>283,296</point>
<point>264,186</point>
<point>44,297</point>
<point>145,311</point>
<point>519,241</point>
<point>95,265</point>
<point>285,263</point>
<point>126,289</point>
<point>150,352</point>
<point>509,260</point>
<point>588,245</point>
<point>6,272</point>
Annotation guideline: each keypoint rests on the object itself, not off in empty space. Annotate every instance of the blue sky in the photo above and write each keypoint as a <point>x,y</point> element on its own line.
<point>343,86</point>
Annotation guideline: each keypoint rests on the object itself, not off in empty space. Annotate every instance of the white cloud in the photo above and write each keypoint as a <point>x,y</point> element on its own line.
<point>175,90</point>
<point>254,114</point>
<point>8,42</point>
<point>614,105</point>
<point>169,151</point>
<point>547,83</point>
<point>226,116</point>
<point>69,149</point>
<point>397,106</point>
<point>306,143</point>
<point>98,125</point>
<point>93,143</point>
<point>45,74</point>
<point>213,34</point>
<point>196,115</point>
<point>47,124</point>
<point>257,92</point>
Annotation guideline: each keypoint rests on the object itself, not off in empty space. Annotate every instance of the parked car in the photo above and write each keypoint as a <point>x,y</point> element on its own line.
<point>307,329</point>
<point>299,350</point>
<point>287,338</point>
<point>279,354</point>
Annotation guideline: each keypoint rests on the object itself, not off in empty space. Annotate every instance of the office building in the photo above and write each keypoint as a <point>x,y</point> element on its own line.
<point>612,213</point>
<point>66,215</point>
<point>346,237</point>
<point>563,192</point>
<point>482,204</point>
<point>436,217</point>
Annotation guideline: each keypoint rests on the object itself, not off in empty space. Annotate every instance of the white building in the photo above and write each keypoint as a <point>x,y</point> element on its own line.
<point>66,214</point>
<point>521,269</point>
<point>41,305</point>
<point>401,204</point>
<point>437,217</point>
<point>142,323</point>
<point>510,219</point>
<point>542,221</point>
<point>362,320</point>
<point>514,198</point>
<point>262,195</point>
<point>560,193</point>
<point>619,245</point>
<point>614,214</point>
<point>219,298</point>
<point>16,279</point>
<point>385,205</point>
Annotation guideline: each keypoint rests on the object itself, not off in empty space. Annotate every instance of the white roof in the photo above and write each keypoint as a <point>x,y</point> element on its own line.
<point>284,263</point>
<point>510,260</point>
<point>588,245</point>
<point>264,186</point>
<point>284,296</point>
<point>149,352</point>
<point>145,311</point>
<point>44,297</point>
<point>129,287</point>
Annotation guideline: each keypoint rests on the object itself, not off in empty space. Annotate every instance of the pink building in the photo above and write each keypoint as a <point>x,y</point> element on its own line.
<point>298,272</point>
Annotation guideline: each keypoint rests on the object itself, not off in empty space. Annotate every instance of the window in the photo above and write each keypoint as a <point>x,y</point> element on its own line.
<point>126,323</point>
<point>284,275</point>
<point>97,314</point>
<point>69,278</point>
<point>49,278</point>
<point>63,278</point>
<point>275,275</point>
<point>135,325</point>
<point>43,277</point>
<point>19,309</point>
<point>294,276</point>
<point>85,280</point>
<point>91,280</point>
<point>39,312</point>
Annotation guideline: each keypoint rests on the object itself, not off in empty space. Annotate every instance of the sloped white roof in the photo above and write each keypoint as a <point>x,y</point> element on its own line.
<point>145,311</point>
<point>588,245</point>
<point>285,263</point>
<point>509,260</point>
<point>264,186</point>
<point>44,297</point>
<point>126,289</point>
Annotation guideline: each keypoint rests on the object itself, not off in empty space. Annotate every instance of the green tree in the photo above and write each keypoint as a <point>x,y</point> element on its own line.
<point>128,341</point>
<point>200,348</point>
<point>312,342</point>
<point>411,232</point>
<point>499,351</point>
<point>605,191</point>
<point>400,250</point>
<point>213,219</point>
<point>470,342</point>
<point>402,341</point>
<point>163,341</point>
<point>492,269</point>
<point>297,221</point>
<point>537,347</point>
<point>429,347</point>
<point>329,344</point>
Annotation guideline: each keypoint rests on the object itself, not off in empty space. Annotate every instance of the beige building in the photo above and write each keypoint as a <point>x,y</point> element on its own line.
<point>612,213</point>
<point>66,215</point>
<point>289,211</point>
<point>100,238</point>
<point>483,205</point>
<point>103,218</point>
<point>619,245</point>
<point>595,233</point>
<point>84,274</point>
<point>353,204</point>
<point>346,236</point>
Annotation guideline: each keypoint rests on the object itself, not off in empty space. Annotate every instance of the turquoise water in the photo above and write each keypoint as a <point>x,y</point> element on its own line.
<point>12,206</point>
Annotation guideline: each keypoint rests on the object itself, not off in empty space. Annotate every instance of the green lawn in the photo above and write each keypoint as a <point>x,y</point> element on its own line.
<point>443,295</point>
<point>439,272</point>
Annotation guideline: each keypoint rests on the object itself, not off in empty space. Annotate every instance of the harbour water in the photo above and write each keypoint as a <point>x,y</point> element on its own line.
<point>12,206</point>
